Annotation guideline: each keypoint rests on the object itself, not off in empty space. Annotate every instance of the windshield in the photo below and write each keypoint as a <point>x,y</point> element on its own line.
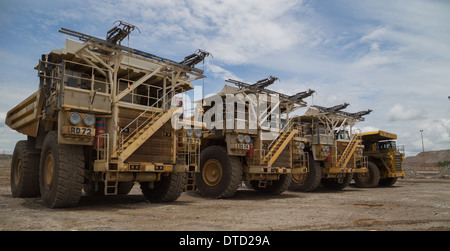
<point>342,135</point>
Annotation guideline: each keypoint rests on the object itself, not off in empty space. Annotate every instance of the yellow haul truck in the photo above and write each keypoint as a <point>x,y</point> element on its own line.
<point>252,140</point>
<point>385,164</point>
<point>100,120</point>
<point>335,153</point>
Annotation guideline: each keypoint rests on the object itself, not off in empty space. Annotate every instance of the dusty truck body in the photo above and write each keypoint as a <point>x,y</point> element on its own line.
<point>100,121</point>
<point>385,158</point>
<point>244,146</point>
<point>335,153</point>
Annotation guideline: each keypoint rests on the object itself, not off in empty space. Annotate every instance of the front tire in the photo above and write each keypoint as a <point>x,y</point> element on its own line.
<point>387,182</point>
<point>220,175</point>
<point>311,180</point>
<point>274,187</point>
<point>167,189</point>
<point>337,184</point>
<point>368,179</point>
<point>61,173</point>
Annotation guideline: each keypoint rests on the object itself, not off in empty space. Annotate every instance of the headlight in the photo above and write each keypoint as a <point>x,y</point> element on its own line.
<point>74,118</point>
<point>198,133</point>
<point>247,139</point>
<point>302,145</point>
<point>89,120</point>
<point>240,138</point>
<point>189,132</point>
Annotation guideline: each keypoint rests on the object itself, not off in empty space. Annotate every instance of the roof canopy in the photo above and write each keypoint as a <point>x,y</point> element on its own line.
<point>373,137</point>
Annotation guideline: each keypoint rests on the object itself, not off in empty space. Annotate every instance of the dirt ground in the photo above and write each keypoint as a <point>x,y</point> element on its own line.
<point>408,205</point>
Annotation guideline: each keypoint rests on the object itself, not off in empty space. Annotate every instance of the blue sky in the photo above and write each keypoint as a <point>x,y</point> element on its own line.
<point>390,56</point>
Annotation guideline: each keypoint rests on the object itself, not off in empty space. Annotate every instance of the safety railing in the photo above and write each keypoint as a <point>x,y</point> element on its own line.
<point>145,94</point>
<point>82,76</point>
<point>146,119</point>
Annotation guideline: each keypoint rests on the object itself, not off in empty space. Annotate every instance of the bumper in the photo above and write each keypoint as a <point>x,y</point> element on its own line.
<point>102,166</point>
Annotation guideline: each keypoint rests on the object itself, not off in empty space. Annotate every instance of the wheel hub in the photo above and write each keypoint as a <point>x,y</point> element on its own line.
<point>364,177</point>
<point>17,167</point>
<point>300,178</point>
<point>212,172</point>
<point>48,170</point>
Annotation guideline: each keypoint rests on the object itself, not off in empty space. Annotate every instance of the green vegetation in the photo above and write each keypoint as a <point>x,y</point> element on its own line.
<point>443,163</point>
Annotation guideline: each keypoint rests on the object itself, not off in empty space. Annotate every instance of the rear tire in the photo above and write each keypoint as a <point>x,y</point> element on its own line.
<point>25,171</point>
<point>61,173</point>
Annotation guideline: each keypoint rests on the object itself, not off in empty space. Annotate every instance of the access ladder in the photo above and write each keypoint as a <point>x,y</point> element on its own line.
<point>348,152</point>
<point>278,145</point>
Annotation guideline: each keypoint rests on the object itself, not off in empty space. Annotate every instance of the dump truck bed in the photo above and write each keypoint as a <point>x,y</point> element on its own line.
<point>378,136</point>
<point>24,117</point>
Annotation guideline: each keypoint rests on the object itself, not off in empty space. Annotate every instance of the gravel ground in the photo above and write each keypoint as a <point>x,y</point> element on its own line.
<point>411,204</point>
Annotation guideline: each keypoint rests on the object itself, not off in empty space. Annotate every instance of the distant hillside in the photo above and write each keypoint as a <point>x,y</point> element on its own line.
<point>427,160</point>
<point>424,165</point>
<point>5,160</point>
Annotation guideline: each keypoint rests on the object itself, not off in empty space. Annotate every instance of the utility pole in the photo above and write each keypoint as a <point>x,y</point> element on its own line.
<point>421,134</point>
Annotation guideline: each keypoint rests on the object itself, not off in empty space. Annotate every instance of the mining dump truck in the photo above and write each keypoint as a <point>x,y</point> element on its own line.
<point>335,153</point>
<point>100,121</point>
<point>250,138</point>
<point>385,164</point>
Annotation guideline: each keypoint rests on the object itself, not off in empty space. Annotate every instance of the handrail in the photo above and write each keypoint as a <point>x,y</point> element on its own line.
<point>351,144</point>
<point>147,120</point>
<point>133,93</point>
<point>281,132</point>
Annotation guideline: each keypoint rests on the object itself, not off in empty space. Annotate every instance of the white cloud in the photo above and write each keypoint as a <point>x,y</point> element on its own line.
<point>243,30</point>
<point>369,129</point>
<point>220,73</point>
<point>399,113</point>
<point>384,55</point>
<point>436,136</point>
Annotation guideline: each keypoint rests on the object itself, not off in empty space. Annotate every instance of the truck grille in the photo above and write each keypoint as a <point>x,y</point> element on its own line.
<point>398,163</point>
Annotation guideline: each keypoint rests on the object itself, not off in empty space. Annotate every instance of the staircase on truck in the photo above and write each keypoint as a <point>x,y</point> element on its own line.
<point>348,152</point>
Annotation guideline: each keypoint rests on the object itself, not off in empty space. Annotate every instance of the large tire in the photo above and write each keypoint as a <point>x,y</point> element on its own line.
<point>167,189</point>
<point>310,181</point>
<point>124,188</point>
<point>333,183</point>
<point>274,187</point>
<point>220,175</point>
<point>368,179</point>
<point>25,171</point>
<point>387,182</point>
<point>61,173</point>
